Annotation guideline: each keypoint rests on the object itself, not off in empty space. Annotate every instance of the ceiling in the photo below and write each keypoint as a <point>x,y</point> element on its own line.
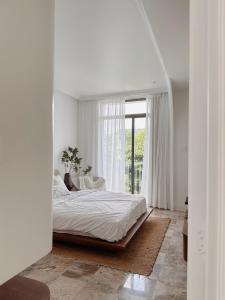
<point>104,46</point>
<point>170,24</point>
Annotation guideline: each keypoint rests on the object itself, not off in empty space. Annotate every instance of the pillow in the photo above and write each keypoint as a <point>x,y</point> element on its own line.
<point>86,182</point>
<point>59,191</point>
<point>57,181</point>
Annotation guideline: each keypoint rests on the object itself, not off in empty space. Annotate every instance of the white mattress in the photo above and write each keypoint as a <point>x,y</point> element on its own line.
<point>99,214</point>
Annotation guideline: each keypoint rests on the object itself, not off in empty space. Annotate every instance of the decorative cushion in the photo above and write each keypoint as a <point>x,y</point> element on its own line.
<point>88,182</point>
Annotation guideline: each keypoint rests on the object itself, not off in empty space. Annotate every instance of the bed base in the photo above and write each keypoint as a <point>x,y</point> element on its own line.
<point>98,243</point>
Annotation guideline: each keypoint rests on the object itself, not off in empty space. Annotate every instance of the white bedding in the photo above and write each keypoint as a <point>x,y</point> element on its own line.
<point>99,214</point>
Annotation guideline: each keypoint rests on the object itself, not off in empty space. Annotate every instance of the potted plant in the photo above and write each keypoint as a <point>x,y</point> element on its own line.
<point>72,163</point>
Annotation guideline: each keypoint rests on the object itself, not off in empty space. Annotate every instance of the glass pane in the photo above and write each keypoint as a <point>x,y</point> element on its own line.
<point>128,173</point>
<point>139,137</point>
<point>138,107</point>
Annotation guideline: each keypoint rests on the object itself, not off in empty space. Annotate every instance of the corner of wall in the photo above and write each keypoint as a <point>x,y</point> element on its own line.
<point>181,104</point>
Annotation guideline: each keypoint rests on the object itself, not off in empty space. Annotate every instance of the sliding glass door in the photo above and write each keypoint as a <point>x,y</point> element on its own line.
<point>135,133</point>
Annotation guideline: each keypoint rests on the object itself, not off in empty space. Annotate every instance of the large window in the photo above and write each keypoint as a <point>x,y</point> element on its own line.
<point>135,133</point>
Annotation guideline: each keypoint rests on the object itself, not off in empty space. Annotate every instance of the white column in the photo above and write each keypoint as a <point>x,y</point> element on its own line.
<point>215,259</point>
<point>206,264</point>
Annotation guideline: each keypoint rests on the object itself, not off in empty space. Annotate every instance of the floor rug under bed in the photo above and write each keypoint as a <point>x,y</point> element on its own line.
<point>139,257</point>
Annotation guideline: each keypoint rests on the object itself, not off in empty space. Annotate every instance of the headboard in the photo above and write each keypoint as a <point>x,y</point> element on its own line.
<point>56,172</point>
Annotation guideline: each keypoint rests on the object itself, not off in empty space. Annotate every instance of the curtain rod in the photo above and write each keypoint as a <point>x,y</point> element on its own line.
<point>135,100</point>
<point>128,95</point>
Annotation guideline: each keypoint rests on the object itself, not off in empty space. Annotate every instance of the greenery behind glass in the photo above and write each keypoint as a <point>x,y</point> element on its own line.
<point>138,159</point>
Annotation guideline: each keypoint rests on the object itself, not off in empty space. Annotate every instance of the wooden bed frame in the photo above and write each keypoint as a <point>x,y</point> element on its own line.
<point>98,243</point>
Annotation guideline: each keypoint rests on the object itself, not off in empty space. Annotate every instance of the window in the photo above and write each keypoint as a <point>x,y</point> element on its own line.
<point>135,133</point>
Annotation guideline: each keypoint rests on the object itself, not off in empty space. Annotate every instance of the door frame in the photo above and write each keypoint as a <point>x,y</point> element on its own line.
<point>133,117</point>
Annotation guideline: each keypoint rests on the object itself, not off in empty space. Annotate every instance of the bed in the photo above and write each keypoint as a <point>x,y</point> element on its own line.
<point>97,218</point>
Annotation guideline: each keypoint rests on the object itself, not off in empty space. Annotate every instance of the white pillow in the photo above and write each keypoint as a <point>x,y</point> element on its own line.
<point>59,191</point>
<point>57,180</point>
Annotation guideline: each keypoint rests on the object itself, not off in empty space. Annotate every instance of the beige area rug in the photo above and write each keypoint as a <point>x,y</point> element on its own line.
<point>139,257</point>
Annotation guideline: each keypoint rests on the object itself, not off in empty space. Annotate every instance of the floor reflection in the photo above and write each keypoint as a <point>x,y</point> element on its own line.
<point>137,285</point>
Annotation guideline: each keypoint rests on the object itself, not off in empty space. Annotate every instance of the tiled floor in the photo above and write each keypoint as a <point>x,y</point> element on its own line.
<point>71,280</point>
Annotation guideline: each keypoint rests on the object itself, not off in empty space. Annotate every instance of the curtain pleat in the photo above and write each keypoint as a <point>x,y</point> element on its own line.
<point>111,143</point>
<point>101,140</point>
<point>156,165</point>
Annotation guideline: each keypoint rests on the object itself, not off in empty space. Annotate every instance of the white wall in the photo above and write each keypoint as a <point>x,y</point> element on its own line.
<point>65,126</point>
<point>181,102</point>
<point>26,60</point>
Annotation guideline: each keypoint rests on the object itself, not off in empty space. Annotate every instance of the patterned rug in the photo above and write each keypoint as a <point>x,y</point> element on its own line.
<point>139,257</point>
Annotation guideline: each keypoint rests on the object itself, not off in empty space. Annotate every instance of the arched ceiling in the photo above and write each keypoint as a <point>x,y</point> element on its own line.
<point>104,47</point>
<point>170,24</point>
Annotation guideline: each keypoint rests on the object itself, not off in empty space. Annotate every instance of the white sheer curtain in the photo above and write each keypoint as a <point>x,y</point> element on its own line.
<point>101,139</point>
<point>111,143</point>
<point>156,184</point>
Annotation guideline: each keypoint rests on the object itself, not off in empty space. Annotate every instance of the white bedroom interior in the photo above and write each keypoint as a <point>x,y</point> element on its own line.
<point>137,86</point>
<point>126,64</point>
<point>122,59</point>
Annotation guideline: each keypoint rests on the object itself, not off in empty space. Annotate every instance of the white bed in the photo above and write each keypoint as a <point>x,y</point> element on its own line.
<point>99,214</point>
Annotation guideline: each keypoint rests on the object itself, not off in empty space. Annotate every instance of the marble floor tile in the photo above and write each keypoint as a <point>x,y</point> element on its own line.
<point>156,271</point>
<point>69,279</point>
<point>137,287</point>
<point>90,294</point>
<point>161,257</point>
<point>111,278</point>
<point>48,269</point>
<point>80,270</point>
<point>66,288</point>
<point>164,292</point>
<point>170,275</point>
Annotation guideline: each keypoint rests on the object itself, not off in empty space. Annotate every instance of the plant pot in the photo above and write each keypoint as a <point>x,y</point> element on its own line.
<point>67,181</point>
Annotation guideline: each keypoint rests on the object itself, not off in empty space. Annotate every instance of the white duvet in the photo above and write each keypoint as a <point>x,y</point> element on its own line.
<point>99,214</point>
